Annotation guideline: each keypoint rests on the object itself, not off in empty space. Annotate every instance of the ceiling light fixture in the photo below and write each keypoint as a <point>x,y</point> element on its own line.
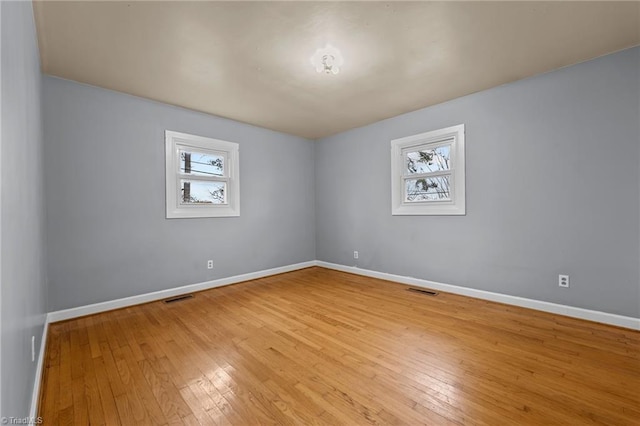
<point>327,59</point>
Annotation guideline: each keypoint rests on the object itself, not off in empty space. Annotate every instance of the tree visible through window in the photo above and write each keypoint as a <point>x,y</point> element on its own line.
<point>425,163</point>
<point>200,164</point>
<point>201,176</point>
<point>428,173</point>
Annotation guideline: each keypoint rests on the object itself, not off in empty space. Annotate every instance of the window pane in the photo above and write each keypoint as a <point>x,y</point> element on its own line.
<point>201,164</point>
<point>429,160</point>
<point>202,192</point>
<point>427,189</point>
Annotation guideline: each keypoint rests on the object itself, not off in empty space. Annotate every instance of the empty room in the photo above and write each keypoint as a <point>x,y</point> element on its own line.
<point>330,213</point>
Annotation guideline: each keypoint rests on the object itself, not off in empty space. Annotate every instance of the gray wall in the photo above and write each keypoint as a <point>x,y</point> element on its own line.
<point>552,187</point>
<point>107,234</point>
<point>23,278</point>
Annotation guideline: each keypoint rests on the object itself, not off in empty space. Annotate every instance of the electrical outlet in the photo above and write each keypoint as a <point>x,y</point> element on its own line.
<point>355,254</point>
<point>33,348</point>
<point>209,264</point>
<point>563,281</point>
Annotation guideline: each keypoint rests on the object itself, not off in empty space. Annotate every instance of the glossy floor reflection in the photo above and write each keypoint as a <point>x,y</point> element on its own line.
<point>323,347</point>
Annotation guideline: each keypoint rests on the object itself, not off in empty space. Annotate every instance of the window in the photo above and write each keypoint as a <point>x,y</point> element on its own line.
<point>427,173</point>
<point>201,176</point>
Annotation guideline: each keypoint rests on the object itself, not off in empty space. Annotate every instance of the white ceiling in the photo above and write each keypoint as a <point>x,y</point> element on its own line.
<point>249,61</point>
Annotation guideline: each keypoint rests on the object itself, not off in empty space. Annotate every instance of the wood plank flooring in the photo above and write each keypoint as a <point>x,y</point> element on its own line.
<point>323,347</point>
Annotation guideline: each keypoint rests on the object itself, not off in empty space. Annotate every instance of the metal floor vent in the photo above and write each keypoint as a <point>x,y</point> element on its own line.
<point>178,298</point>
<point>423,291</point>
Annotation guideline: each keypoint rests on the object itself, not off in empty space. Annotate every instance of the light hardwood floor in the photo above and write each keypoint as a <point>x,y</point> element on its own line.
<point>323,347</point>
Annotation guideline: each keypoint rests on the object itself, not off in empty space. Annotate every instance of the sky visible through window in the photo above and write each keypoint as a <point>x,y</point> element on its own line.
<point>429,160</point>
<point>196,191</point>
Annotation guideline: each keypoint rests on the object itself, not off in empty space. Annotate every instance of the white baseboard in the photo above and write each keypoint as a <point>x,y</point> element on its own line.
<point>35,396</point>
<point>95,308</point>
<point>555,308</point>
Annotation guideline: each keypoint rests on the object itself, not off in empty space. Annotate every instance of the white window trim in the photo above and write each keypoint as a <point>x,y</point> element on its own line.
<point>174,141</point>
<point>456,206</point>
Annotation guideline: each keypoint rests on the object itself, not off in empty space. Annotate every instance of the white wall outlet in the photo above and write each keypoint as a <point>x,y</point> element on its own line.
<point>209,264</point>
<point>563,281</point>
<point>355,254</point>
<point>33,348</point>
